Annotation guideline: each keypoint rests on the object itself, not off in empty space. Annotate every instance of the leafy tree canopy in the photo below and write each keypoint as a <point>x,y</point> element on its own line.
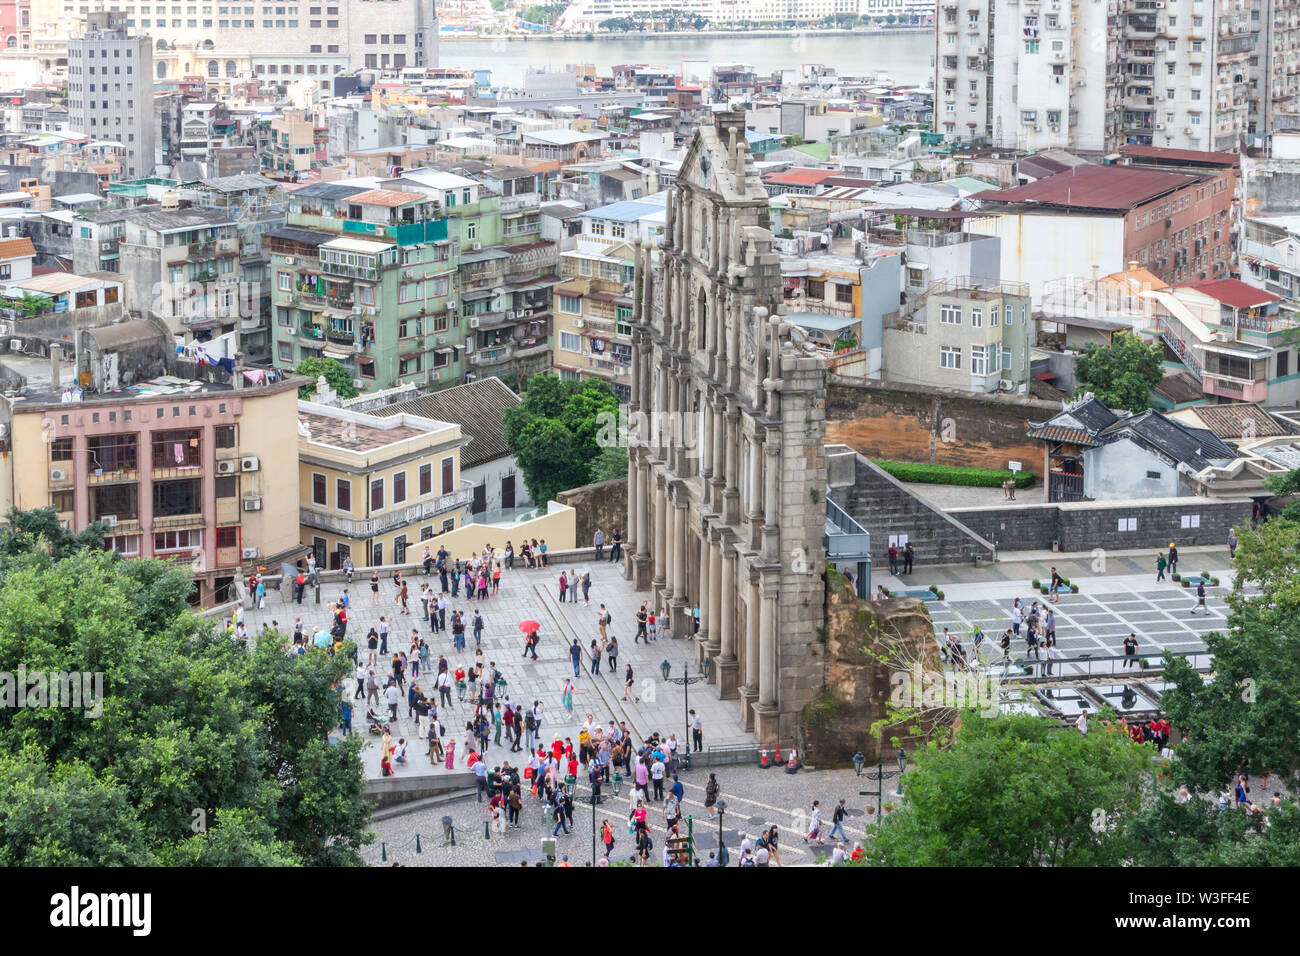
<point>1122,374</point>
<point>554,432</point>
<point>186,721</point>
<point>336,375</point>
<point>1015,791</point>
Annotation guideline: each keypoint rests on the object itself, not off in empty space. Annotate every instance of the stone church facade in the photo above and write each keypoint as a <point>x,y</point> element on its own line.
<point>727,468</point>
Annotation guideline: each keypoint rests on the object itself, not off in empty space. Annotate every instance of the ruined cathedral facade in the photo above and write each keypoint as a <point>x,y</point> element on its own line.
<point>727,469</point>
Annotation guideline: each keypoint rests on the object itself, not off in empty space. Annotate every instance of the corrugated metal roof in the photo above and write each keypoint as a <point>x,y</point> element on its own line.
<point>1111,188</point>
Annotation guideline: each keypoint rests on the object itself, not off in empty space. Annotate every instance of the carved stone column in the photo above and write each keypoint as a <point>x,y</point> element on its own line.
<point>727,666</point>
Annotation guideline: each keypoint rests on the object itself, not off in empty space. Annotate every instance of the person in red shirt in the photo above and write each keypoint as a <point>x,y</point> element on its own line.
<point>557,748</point>
<point>573,765</point>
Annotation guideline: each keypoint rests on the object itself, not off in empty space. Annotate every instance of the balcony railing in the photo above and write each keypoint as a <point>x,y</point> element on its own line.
<point>388,521</point>
<point>1229,386</point>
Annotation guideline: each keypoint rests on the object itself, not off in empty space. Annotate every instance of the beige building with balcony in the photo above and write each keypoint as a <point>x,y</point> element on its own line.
<point>593,317</point>
<point>194,472</point>
<point>966,333</point>
<point>376,487</point>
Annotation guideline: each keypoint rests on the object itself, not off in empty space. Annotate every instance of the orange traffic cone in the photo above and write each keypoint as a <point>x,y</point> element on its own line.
<point>777,757</point>
<point>762,757</point>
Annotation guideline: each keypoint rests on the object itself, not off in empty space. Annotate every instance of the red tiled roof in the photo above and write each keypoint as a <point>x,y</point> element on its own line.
<point>800,176</point>
<point>16,248</point>
<point>1233,293</point>
<point>1114,188</point>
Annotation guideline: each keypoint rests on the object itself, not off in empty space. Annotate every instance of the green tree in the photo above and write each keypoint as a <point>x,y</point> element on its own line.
<point>1269,556</point>
<point>1287,487</point>
<point>336,376</point>
<point>1198,832</point>
<point>1249,715</point>
<point>1122,374</point>
<point>610,463</point>
<point>554,432</point>
<point>40,530</point>
<point>186,721</point>
<point>1016,791</point>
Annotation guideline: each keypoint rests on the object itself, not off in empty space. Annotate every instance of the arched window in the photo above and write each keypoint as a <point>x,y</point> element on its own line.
<point>162,70</point>
<point>208,45</point>
<point>231,68</point>
<point>214,70</point>
<point>11,42</point>
<point>160,45</point>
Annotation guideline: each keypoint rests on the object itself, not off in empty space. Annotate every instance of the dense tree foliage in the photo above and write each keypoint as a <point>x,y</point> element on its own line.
<point>1122,374</point>
<point>336,375</point>
<point>554,432</point>
<point>201,752</point>
<point>1016,791</point>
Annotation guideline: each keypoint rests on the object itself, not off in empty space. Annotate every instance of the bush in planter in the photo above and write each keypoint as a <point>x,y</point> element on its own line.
<point>953,475</point>
<point>1074,589</point>
<point>1187,583</point>
<point>1177,577</point>
<point>939,595</point>
<point>934,589</point>
<point>1043,590</point>
<point>1214,582</point>
<point>1035,584</point>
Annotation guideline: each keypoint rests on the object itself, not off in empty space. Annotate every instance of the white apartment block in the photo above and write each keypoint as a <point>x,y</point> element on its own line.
<point>1099,74</point>
<point>589,14</point>
<point>377,34</point>
<point>110,90</point>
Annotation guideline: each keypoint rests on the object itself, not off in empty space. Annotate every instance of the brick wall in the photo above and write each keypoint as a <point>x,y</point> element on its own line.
<point>912,423</point>
<point>1083,526</point>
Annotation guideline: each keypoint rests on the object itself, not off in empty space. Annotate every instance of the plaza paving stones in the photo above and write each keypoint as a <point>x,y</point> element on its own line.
<point>755,798</point>
<point>1096,620</point>
<point>527,594</point>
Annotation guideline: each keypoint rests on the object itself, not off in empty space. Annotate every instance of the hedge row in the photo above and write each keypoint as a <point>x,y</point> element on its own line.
<point>954,475</point>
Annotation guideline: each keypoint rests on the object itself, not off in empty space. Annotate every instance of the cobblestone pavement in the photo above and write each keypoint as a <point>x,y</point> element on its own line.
<point>529,594</point>
<point>755,798</point>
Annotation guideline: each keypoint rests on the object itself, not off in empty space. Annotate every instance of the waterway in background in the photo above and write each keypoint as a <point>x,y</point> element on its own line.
<point>904,56</point>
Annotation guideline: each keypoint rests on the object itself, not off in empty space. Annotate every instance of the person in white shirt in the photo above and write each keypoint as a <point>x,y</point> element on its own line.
<point>392,696</point>
<point>1082,722</point>
<point>838,855</point>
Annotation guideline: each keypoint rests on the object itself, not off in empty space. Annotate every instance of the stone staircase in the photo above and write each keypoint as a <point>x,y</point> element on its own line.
<point>885,506</point>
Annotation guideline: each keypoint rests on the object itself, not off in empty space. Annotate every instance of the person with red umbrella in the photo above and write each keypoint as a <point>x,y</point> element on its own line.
<point>530,629</point>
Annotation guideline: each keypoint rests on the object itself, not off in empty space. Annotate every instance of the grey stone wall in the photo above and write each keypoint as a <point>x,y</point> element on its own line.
<point>1083,526</point>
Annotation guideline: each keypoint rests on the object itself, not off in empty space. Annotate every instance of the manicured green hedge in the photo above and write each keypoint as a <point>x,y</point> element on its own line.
<point>953,475</point>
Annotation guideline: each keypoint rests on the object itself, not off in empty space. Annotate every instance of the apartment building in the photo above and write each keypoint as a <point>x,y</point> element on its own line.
<point>1176,224</point>
<point>1038,74</point>
<point>1233,339</point>
<point>593,318</point>
<point>374,486</point>
<point>367,276</point>
<point>358,33</point>
<point>291,148</point>
<point>194,472</point>
<point>182,266</point>
<point>110,89</point>
<point>968,333</point>
<point>1270,256</point>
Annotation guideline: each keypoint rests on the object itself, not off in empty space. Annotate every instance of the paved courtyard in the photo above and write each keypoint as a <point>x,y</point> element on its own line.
<point>755,798</point>
<point>530,594</point>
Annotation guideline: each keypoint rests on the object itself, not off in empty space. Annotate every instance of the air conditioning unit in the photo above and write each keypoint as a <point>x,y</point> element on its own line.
<point>1187,131</point>
<point>58,474</point>
<point>227,466</point>
<point>110,520</point>
<point>1005,384</point>
<point>1160,125</point>
<point>511,314</point>
<point>473,322</point>
<point>289,260</point>
<point>248,553</point>
<point>579,323</point>
<point>442,340</point>
<point>249,463</point>
<point>356,310</point>
<point>253,503</point>
<point>475,247</point>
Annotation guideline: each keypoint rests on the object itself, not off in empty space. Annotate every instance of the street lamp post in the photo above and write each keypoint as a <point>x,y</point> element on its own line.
<point>685,681</point>
<point>880,774</point>
<point>723,856</point>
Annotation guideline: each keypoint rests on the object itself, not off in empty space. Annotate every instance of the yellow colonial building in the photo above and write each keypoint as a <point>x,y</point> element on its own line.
<point>375,487</point>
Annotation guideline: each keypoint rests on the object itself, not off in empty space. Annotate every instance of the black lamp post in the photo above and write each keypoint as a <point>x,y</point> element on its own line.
<point>706,671</point>
<point>723,856</point>
<point>880,775</point>
<point>593,828</point>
